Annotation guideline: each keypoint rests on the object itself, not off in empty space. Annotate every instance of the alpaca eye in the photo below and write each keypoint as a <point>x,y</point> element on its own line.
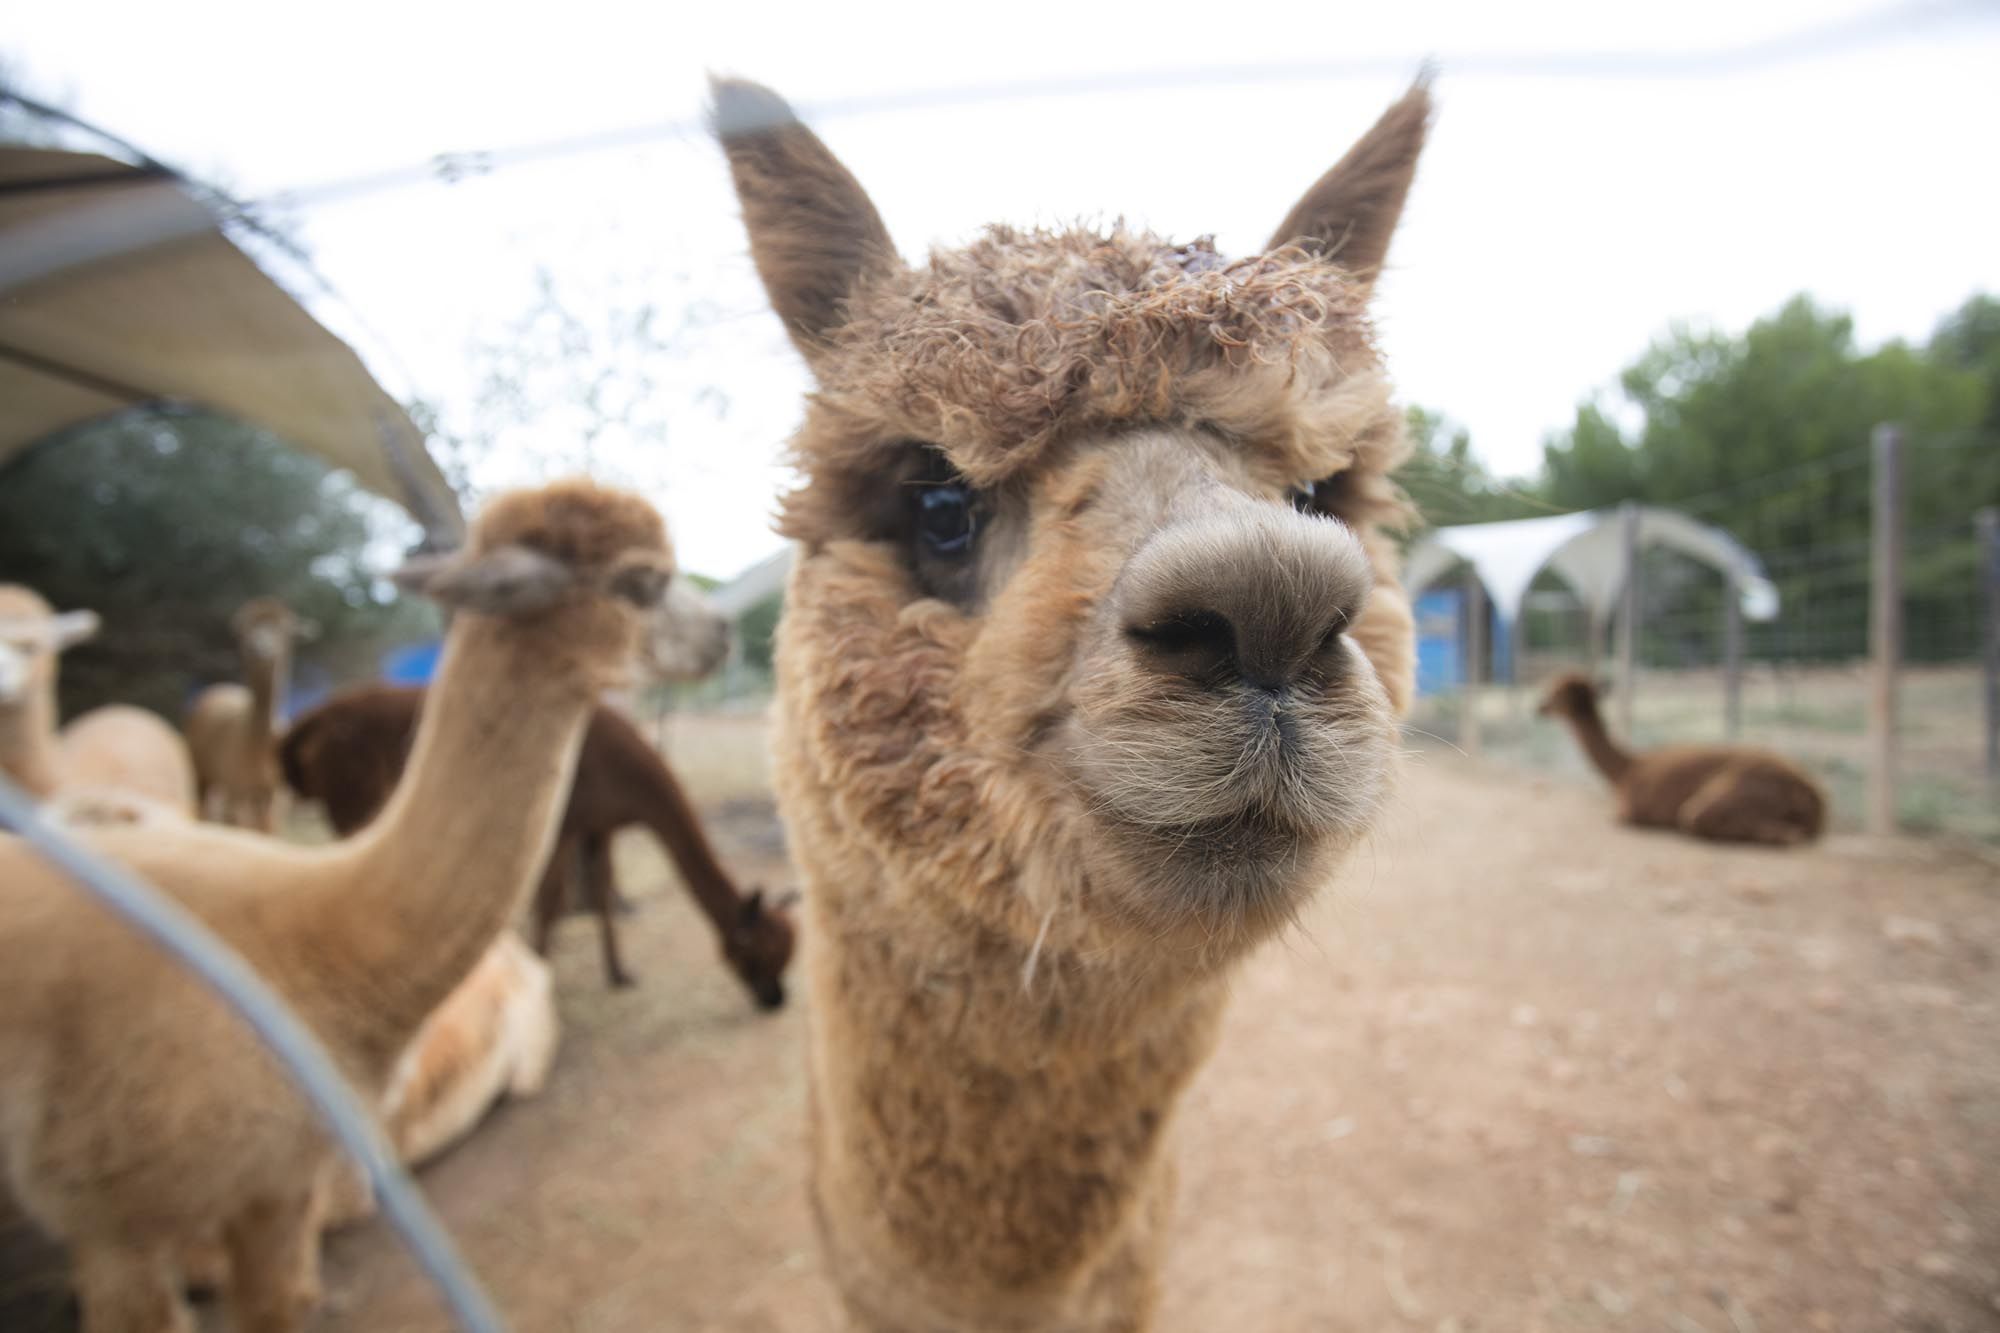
<point>1320,497</point>
<point>945,519</point>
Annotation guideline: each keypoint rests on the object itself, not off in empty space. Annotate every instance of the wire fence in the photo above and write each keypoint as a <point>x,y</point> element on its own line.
<point>1807,675</point>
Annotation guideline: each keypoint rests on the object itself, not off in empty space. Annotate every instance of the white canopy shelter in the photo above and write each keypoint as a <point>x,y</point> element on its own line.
<point>1587,549</point>
<point>119,290</point>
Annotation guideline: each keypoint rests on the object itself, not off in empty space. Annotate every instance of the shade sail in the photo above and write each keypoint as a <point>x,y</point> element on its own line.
<point>1587,549</point>
<point>119,290</point>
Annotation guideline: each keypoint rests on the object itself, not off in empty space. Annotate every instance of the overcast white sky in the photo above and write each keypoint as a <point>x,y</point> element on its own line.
<point>1557,223</point>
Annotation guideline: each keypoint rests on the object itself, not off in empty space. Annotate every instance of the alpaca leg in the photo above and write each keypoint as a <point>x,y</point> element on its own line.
<point>553,893</point>
<point>541,1032</point>
<point>130,1289</point>
<point>603,891</point>
<point>264,812</point>
<point>1716,810</point>
<point>274,1258</point>
<point>204,1266</point>
<point>1742,805</point>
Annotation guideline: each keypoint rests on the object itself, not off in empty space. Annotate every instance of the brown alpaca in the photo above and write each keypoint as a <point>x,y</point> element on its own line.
<point>1087,682</point>
<point>1726,793</point>
<point>347,752</point>
<point>232,729</point>
<point>137,1115</point>
<point>114,754</point>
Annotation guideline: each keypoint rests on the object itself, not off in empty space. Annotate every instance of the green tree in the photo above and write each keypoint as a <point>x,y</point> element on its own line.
<point>1767,436</point>
<point>1447,484</point>
<point>164,523</point>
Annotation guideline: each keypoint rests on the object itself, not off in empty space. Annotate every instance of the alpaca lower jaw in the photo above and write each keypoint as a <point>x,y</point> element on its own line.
<point>1230,881</point>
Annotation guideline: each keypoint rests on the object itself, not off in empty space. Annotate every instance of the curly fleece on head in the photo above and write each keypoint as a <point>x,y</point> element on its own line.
<point>999,350</point>
<point>576,521</point>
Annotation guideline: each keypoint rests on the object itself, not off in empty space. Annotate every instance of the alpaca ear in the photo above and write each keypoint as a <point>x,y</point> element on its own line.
<point>813,232</point>
<point>784,902</point>
<point>71,628</point>
<point>505,581</point>
<point>751,908</point>
<point>1350,213</point>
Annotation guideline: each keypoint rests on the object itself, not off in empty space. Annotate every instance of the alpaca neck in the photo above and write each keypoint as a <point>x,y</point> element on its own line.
<point>1612,759</point>
<point>673,821</point>
<point>1047,1105</point>
<point>268,679</point>
<point>422,893</point>
<point>28,750</point>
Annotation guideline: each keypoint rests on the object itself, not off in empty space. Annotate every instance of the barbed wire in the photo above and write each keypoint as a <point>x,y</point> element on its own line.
<point>1815,42</point>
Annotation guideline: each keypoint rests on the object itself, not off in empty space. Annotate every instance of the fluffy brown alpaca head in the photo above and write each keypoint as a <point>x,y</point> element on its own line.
<point>265,628</point>
<point>1092,589</point>
<point>758,947</point>
<point>573,551</point>
<point>1571,695</point>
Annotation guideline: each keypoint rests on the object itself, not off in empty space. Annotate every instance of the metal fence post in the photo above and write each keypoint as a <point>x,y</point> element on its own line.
<point>1989,574</point>
<point>1628,625</point>
<point>1885,628</point>
<point>1475,663</point>
<point>1732,656</point>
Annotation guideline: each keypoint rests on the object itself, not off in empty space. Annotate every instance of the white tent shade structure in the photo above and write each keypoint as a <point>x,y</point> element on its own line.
<point>119,290</point>
<point>1586,549</point>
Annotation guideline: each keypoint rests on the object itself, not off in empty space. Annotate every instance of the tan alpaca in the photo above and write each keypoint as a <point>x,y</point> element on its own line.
<point>494,1037</point>
<point>1727,793</point>
<point>112,754</point>
<point>1087,681</point>
<point>136,1115</point>
<point>232,729</point>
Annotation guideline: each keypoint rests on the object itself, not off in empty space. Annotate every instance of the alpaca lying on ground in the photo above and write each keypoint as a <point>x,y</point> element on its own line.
<point>347,752</point>
<point>138,1115</point>
<point>1727,793</point>
<point>493,1037</point>
<point>111,754</point>
<point>1087,682</point>
<point>232,729</point>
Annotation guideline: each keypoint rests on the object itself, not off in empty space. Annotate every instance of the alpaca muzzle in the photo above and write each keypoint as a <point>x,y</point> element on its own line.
<point>1226,701</point>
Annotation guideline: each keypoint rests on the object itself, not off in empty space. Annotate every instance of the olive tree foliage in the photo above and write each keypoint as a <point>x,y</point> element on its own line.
<point>1766,435</point>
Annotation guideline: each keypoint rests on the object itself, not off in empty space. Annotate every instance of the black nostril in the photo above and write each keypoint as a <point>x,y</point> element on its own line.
<point>1188,643</point>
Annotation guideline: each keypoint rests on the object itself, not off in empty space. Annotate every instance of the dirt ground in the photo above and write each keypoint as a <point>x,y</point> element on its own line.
<point>1522,1070</point>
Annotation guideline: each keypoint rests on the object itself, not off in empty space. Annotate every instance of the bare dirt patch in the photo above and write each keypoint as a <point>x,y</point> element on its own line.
<point>1522,1070</point>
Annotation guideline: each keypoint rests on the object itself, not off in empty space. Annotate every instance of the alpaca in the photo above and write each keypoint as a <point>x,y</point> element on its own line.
<point>1087,681</point>
<point>493,1037</point>
<point>1726,793</point>
<point>137,1115</point>
<point>116,752</point>
<point>688,638</point>
<point>231,729</point>
<point>347,752</point>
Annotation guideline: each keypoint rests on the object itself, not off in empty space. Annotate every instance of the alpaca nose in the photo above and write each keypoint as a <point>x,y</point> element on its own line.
<point>1253,594</point>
